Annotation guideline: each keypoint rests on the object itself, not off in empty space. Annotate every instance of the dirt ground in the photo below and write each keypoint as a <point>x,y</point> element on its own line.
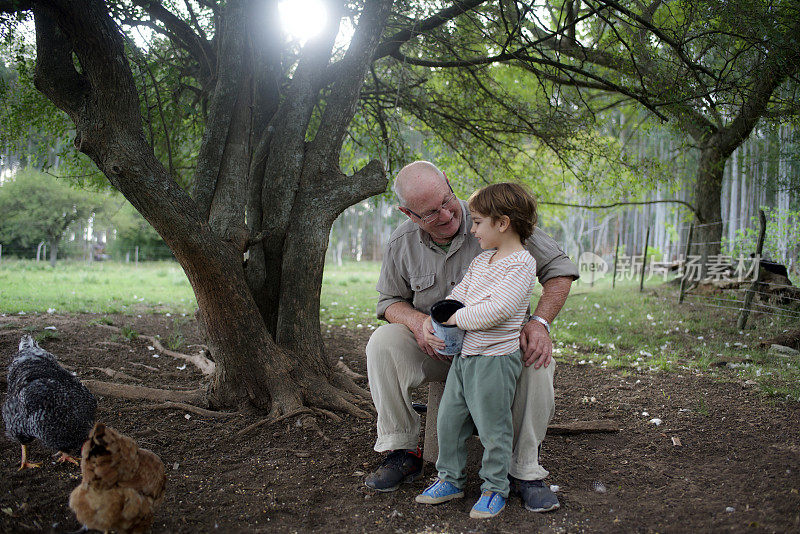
<point>737,468</point>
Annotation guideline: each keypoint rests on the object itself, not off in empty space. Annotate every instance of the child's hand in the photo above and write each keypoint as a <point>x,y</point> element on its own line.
<point>451,321</point>
<point>430,337</point>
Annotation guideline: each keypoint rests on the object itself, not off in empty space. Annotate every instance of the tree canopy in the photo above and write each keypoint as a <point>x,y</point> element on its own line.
<point>228,136</point>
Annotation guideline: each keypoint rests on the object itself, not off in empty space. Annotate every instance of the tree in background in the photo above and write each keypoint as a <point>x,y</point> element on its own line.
<point>131,232</point>
<point>712,69</point>
<point>38,207</point>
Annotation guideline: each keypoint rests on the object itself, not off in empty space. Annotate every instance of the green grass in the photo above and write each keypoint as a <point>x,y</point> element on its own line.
<point>622,329</point>
<point>348,296</point>
<point>100,287</point>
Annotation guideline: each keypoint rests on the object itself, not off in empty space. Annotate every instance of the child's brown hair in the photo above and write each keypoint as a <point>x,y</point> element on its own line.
<point>509,199</point>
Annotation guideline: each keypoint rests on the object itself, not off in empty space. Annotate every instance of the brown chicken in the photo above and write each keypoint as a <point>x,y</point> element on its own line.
<point>122,484</point>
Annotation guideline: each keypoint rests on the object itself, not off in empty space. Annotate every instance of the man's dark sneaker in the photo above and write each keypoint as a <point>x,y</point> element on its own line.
<point>536,495</point>
<point>398,467</point>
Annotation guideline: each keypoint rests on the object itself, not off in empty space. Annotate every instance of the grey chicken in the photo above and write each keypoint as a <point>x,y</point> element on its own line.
<point>45,402</point>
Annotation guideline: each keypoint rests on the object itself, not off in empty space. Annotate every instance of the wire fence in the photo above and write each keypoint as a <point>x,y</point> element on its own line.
<point>81,251</point>
<point>709,275</point>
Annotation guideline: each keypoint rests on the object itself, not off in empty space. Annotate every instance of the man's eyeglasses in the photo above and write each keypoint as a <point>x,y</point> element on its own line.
<point>429,217</point>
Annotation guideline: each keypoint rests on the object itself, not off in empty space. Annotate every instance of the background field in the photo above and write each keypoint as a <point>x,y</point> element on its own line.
<point>618,328</point>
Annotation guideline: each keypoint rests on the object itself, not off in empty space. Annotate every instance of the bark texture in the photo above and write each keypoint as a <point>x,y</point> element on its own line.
<point>257,174</point>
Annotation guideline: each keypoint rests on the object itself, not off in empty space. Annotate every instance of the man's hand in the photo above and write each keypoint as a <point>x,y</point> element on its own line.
<point>423,332</point>
<point>433,341</point>
<point>537,348</point>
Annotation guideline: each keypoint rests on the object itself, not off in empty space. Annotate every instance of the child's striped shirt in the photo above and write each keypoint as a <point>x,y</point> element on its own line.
<point>496,297</point>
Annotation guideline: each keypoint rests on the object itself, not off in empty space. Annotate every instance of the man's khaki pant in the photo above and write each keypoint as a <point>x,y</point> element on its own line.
<point>395,365</point>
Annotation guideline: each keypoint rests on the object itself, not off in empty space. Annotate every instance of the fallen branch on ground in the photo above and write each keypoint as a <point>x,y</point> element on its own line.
<point>205,365</point>
<point>116,374</point>
<point>583,427</point>
<point>145,366</point>
<point>179,406</point>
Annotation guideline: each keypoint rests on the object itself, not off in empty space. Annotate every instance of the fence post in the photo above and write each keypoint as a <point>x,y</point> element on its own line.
<point>748,298</point>
<point>591,276</point>
<point>616,255</point>
<point>644,259</point>
<point>685,260</point>
<point>1,253</point>
<point>136,255</point>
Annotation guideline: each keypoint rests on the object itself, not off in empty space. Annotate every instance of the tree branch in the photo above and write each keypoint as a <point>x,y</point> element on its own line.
<point>676,46</point>
<point>14,6</point>
<point>342,101</point>
<point>55,74</point>
<point>631,203</point>
<point>393,43</point>
<point>200,49</point>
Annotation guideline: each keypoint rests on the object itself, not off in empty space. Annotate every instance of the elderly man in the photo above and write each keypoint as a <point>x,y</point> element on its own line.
<point>425,257</point>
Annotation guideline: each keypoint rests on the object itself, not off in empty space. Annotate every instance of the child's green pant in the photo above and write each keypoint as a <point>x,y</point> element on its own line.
<point>483,387</point>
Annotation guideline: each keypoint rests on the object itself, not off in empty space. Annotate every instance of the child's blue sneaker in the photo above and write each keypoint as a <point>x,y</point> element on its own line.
<point>490,504</point>
<point>439,492</point>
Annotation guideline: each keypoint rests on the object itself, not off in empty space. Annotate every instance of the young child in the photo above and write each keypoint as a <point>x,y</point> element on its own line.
<point>496,291</point>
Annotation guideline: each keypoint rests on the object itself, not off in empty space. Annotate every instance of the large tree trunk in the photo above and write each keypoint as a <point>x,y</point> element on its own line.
<point>262,327</point>
<point>708,200</point>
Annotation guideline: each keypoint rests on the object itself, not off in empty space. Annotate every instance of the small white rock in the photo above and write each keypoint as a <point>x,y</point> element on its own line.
<point>187,416</point>
<point>645,414</point>
<point>656,421</point>
<point>181,367</point>
<point>730,509</point>
<point>554,488</point>
<point>50,328</point>
<point>150,348</point>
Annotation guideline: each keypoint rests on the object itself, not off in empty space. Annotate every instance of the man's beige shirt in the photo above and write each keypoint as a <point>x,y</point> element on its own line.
<point>416,271</point>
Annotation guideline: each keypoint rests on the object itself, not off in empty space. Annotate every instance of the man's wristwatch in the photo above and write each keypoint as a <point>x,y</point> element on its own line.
<point>541,320</point>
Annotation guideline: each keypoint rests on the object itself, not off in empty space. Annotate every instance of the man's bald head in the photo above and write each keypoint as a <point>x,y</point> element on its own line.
<point>416,180</point>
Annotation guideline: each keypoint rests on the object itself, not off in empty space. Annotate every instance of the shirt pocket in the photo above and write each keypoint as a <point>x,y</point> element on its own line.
<point>421,282</point>
<point>424,289</point>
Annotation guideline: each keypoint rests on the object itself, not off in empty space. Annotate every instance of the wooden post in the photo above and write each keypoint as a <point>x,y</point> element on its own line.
<point>136,256</point>
<point>591,276</point>
<point>685,261</point>
<point>644,259</point>
<point>430,450</point>
<point>748,298</point>
<point>1,253</point>
<point>616,256</point>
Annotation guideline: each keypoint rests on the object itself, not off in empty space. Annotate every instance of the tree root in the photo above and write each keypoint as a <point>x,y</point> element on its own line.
<point>327,396</point>
<point>169,405</point>
<point>270,420</point>
<point>126,391</point>
<point>344,382</point>
<point>329,414</point>
<point>349,373</point>
<point>205,365</point>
